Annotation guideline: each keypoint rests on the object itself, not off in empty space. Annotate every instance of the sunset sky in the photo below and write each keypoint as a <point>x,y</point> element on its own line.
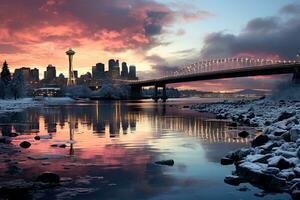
<point>156,36</point>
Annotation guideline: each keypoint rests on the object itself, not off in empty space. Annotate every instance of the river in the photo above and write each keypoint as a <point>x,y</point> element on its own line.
<point>112,147</point>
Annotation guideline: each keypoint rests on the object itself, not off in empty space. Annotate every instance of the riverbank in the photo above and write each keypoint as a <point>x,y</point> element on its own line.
<point>272,162</point>
<point>19,105</point>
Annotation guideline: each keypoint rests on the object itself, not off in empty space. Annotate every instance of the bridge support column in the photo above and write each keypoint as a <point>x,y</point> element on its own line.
<point>296,76</point>
<point>156,93</point>
<point>164,97</point>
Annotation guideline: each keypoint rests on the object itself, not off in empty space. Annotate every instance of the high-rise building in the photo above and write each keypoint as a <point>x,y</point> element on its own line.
<point>34,75</point>
<point>61,80</point>
<point>98,71</point>
<point>132,73</point>
<point>111,64</point>
<point>124,72</point>
<point>114,68</point>
<point>50,73</point>
<point>25,71</point>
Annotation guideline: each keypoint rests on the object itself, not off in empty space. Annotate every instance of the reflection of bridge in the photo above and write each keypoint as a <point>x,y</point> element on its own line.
<point>218,69</point>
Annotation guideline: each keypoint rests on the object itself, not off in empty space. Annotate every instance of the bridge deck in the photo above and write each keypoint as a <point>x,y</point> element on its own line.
<point>228,73</point>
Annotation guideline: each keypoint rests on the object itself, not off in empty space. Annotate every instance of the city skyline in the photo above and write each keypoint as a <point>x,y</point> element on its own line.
<point>157,36</point>
<point>43,69</point>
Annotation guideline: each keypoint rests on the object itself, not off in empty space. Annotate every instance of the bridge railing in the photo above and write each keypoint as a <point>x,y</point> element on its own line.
<point>215,65</point>
<point>224,64</point>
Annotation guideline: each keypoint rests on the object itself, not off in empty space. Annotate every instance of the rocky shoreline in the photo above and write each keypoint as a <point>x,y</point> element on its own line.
<point>273,160</point>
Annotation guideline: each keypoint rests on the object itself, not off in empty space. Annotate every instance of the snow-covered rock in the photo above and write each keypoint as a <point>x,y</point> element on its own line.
<point>273,161</point>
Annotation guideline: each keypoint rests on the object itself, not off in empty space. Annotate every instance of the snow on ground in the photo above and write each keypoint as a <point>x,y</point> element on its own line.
<point>58,100</point>
<point>273,160</point>
<point>11,105</point>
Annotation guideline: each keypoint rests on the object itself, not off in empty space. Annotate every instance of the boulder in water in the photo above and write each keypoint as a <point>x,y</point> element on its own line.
<point>165,162</point>
<point>25,144</point>
<point>243,134</point>
<point>48,177</point>
<point>260,140</point>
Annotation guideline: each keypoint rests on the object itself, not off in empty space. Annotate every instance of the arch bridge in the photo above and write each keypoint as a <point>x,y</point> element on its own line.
<point>218,69</point>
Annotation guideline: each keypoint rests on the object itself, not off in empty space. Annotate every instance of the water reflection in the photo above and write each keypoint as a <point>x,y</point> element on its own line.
<point>120,142</point>
<point>116,118</point>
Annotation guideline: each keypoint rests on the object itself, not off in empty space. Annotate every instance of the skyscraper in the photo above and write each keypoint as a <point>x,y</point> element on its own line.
<point>111,64</point>
<point>25,71</point>
<point>50,73</point>
<point>34,75</point>
<point>132,73</point>
<point>114,68</point>
<point>124,72</point>
<point>98,71</point>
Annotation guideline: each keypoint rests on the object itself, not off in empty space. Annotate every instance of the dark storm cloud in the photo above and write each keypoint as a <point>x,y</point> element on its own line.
<point>261,36</point>
<point>154,22</point>
<point>118,24</point>
<point>291,9</point>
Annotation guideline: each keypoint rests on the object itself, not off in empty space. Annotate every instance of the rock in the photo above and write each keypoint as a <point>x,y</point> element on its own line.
<point>260,140</point>
<point>285,115</point>
<point>220,117</point>
<point>239,154</point>
<point>294,134</point>
<point>232,124</point>
<point>233,180</point>
<point>286,137</point>
<point>263,159</point>
<point>25,144</point>
<point>243,134</point>
<point>296,194</point>
<point>271,170</point>
<point>226,161</point>
<point>298,152</point>
<point>253,173</point>
<point>243,189</point>
<point>260,194</point>
<point>165,162</point>
<point>48,177</point>
<point>280,162</point>
<point>37,137</point>
<point>251,115</point>
<point>267,123</point>
<point>62,146</point>
<point>279,132</point>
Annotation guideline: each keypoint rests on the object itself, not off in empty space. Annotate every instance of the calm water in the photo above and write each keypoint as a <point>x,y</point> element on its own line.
<point>112,147</point>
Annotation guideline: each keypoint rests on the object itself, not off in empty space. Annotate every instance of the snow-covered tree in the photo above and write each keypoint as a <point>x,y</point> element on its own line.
<point>5,74</point>
<point>5,80</point>
<point>17,85</point>
<point>2,89</point>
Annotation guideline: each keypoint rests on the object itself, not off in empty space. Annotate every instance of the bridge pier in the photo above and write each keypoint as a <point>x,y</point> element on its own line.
<point>156,97</point>
<point>296,75</point>
<point>156,93</point>
<point>164,97</point>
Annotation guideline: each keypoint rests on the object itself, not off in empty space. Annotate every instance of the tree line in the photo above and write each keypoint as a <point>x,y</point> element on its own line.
<point>11,86</point>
